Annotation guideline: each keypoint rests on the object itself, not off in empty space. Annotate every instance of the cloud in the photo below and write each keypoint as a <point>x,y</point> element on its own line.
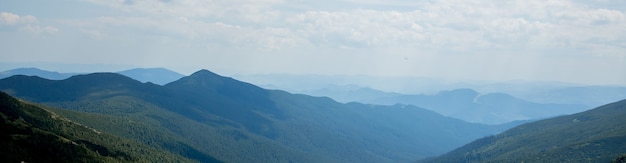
<point>26,23</point>
<point>426,24</point>
<point>7,18</point>
<point>192,8</point>
<point>39,29</point>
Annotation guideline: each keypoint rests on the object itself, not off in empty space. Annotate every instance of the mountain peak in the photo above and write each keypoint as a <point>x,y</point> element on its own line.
<point>204,78</point>
<point>204,73</point>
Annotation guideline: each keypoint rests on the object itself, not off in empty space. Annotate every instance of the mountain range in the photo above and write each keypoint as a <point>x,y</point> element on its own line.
<point>592,96</point>
<point>207,117</point>
<point>597,135</point>
<point>465,104</point>
<point>490,108</point>
<point>160,76</point>
<point>471,106</point>
<point>52,75</point>
<point>347,88</point>
<point>358,88</point>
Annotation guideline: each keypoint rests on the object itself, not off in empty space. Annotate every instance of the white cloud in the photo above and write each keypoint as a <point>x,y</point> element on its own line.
<point>39,29</point>
<point>7,18</point>
<point>26,23</point>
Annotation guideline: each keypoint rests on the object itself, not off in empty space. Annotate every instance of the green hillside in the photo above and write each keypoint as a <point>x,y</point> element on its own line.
<point>597,135</point>
<point>208,117</point>
<point>33,134</point>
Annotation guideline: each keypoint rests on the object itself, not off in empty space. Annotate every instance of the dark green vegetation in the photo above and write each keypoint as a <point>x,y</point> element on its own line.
<point>597,135</point>
<point>33,134</point>
<point>207,117</point>
<point>620,159</point>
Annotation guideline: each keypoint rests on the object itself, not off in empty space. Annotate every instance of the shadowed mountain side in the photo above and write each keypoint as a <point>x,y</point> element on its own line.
<point>399,127</point>
<point>228,98</point>
<point>239,122</point>
<point>597,135</point>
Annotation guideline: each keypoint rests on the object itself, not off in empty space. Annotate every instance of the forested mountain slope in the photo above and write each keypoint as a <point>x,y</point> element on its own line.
<point>597,135</point>
<point>33,134</point>
<point>205,116</point>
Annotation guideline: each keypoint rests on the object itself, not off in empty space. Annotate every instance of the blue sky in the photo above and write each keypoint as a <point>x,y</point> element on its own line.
<point>561,40</point>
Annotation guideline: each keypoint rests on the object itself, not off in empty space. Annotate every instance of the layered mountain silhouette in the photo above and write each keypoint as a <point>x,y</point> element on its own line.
<point>350,93</point>
<point>490,108</point>
<point>36,72</point>
<point>205,116</point>
<point>597,135</point>
<point>160,76</point>
<point>592,96</point>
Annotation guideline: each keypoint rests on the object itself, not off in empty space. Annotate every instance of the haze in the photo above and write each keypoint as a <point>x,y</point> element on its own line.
<point>536,40</point>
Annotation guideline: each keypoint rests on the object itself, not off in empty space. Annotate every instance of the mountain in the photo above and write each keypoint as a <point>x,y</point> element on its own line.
<point>160,76</point>
<point>490,108</point>
<point>541,92</point>
<point>227,98</point>
<point>35,72</point>
<point>592,96</point>
<point>597,135</point>
<point>308,82</point>
<point>31,133</point>
<point>349,93</point>
<point>208,117</point>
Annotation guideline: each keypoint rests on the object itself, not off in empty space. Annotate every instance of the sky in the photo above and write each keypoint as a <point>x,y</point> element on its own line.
<point>535,40</point>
